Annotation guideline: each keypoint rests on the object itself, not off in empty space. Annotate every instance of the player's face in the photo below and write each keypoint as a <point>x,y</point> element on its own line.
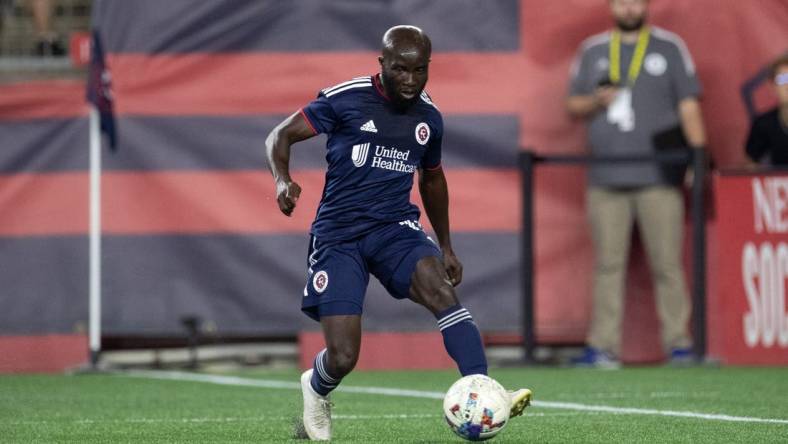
<point>405,74</point>
<point>781,84</point>
<point>629,15</point>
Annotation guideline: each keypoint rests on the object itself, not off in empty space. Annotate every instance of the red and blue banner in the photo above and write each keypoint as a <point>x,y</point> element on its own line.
<point>191,226</point>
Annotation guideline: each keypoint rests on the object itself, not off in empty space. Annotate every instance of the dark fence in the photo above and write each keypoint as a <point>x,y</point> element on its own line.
<point>696,158</point>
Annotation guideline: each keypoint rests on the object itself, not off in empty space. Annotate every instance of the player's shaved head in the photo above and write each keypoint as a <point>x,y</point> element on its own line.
<point>404,64</point>
<point>401,39</point>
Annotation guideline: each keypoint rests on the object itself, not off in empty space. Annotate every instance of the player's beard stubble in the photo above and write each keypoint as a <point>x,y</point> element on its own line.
<point>400,103</point>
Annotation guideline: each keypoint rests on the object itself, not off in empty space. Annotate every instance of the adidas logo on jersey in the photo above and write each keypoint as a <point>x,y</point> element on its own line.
<point>369,127</point>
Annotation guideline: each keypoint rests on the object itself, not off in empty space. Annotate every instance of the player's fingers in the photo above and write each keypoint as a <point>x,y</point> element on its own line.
<point>456,273</point>
<point>290,205</point>
<point>457,277</point>
<point>286,205</point>
<point>294,192</point>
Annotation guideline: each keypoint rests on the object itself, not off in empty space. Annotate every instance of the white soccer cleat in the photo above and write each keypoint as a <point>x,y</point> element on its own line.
<point>317,410</point>
<point>520,400</point>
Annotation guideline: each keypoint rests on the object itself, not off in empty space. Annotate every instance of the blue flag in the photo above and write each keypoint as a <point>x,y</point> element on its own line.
<point>99,89</point>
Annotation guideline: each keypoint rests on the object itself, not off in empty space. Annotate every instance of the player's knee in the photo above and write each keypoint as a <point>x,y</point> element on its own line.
<point>440,298</point>
<point>342,360</point>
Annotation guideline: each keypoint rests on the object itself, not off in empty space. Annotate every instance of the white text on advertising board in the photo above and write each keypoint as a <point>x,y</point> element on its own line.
<point>765,266</point>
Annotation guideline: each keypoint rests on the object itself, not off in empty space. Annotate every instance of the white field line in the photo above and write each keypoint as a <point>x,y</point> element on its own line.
<point>237,381</point>
<point>218,419</point>
<point>262,418</point>
<point>636,395</point>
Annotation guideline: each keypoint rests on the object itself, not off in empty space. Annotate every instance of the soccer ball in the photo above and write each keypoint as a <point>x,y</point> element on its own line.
<point>476,407</point>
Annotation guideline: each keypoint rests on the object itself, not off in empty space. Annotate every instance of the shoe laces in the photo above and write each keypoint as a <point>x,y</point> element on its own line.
<point>322,416</point>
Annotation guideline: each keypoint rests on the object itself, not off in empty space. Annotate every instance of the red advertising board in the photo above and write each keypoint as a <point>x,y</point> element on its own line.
<point>748,323</point>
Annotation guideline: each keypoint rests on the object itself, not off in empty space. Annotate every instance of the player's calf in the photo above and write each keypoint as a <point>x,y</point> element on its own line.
<point>341,361</point>
<point>430,287</point>
<point>322,381</point>
<point>462,340</point>
<point>343,340</point>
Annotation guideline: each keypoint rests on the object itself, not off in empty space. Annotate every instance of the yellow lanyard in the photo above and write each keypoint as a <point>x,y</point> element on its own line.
<point>637,58</point>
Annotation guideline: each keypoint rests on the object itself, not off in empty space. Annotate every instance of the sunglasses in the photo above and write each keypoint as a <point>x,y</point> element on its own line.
<point>781,79</point>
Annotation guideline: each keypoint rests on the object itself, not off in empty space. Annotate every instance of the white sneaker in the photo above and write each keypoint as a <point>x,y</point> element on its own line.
<point>317,410</point>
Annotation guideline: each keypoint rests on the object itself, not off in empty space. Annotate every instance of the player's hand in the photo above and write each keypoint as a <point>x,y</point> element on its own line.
<point>605,95</point>
<point>453,267</point>
<point>287,194</point>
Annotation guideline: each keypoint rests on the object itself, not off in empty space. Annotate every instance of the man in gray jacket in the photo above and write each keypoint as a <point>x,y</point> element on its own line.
<point>635,85</point>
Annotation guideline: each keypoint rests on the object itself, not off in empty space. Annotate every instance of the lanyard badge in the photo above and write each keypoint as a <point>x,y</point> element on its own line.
<point>620,112</point>
<point>637,58</point>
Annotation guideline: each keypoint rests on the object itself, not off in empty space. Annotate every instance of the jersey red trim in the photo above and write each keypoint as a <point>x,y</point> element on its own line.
<point>379,86</point>
<point>308,122</point>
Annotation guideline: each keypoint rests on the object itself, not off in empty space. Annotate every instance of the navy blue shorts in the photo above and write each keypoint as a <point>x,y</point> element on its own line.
<point>339,272</point>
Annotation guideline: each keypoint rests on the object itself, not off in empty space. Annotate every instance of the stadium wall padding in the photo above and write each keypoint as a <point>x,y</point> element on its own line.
<point>191,226</point>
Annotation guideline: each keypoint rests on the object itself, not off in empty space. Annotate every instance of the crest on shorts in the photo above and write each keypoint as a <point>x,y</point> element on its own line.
<point>320,281</point>
<point>422,133</point>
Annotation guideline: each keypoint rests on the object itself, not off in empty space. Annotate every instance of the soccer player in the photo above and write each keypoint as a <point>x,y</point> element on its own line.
<point>381,129</point>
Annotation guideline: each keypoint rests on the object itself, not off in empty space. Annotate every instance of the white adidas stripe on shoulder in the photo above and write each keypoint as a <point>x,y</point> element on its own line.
<point>351,86</point>
<point>662,34</point>
<point>349,82</point>
<point>427,99</point>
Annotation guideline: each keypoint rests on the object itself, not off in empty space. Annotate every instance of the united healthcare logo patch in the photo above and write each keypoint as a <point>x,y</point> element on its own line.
<point>320,281</point>
<point>422,133</point>
<point>359,154</point>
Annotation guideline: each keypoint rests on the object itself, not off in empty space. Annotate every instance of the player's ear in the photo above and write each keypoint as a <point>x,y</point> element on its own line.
<point>380,60</point>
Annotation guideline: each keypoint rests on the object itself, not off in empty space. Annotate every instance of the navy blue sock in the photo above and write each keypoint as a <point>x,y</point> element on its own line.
<point>322,382</point>
<point>462,340</point>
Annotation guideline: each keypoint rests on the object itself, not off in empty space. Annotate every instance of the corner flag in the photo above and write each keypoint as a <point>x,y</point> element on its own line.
<point>99,89</point>
<point>102,120</point>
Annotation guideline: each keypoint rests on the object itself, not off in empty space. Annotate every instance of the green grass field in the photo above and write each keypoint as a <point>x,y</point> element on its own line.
<point>116,408</point>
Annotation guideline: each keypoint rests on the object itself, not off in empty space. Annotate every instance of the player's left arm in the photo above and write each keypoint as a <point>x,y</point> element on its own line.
<point>435,196</point>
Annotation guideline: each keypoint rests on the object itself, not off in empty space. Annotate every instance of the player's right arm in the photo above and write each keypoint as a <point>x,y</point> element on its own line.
<point>277,147</point>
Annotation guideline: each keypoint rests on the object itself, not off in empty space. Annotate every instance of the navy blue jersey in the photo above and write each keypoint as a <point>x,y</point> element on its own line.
<point>372,152</point>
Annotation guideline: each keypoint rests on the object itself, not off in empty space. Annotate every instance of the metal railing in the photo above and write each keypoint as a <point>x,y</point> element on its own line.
<point>695,157</point>
<point>17,32</point>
